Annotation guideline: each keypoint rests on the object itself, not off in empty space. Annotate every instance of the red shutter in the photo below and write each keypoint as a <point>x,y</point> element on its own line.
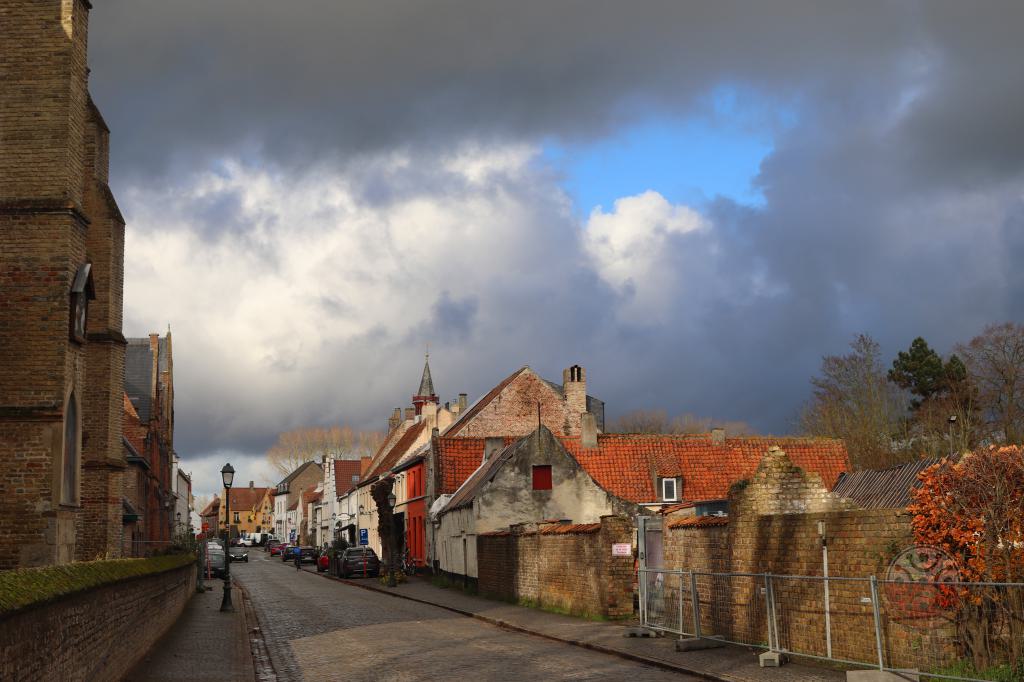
<point>542,477</point>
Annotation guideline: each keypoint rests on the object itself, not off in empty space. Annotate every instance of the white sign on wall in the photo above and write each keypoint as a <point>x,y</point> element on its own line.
<point>622,549</point>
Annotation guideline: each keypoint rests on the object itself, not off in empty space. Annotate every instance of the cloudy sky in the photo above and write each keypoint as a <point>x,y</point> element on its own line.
<point>695,201</point>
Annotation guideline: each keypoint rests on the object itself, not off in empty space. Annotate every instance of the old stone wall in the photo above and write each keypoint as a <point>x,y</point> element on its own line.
<point>95,635</point>
<point>563,568</point>
<point>860,542</point>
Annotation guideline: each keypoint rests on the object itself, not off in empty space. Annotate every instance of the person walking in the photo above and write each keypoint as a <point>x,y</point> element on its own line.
<point>298,558</point>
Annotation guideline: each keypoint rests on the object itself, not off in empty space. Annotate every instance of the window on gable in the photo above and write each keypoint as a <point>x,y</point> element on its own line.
<point>668,490</point>
<point>542,477</point>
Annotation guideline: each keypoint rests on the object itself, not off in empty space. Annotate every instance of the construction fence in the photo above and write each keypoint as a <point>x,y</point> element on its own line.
<point>948,631</point>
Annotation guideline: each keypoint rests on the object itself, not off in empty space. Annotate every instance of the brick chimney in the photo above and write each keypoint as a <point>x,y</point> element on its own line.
<point>574,387</point>
<point>429,414</point>
<point>588,430</point>
<point>718,436</point>
<point>462,402</point>
<point>410,413</point>
<point>395,419</point>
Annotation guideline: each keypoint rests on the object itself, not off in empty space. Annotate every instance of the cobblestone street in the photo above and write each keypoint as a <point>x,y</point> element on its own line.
<point>320,629</point>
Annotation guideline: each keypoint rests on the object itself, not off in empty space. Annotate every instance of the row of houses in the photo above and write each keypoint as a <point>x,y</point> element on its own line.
<point>528,451</point>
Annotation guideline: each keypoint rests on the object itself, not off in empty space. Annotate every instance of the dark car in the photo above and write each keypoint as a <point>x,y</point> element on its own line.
<point>287,552</point>
<point>359,562</point>
<point>308,555</point>
<point>215,560</point>
<point>239,554</point>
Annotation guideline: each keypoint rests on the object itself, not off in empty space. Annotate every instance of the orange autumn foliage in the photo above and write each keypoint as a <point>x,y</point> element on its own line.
<point>973,510</point>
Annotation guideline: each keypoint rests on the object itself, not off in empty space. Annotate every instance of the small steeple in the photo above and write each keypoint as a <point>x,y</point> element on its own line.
<point>426,383</point>
<point>426,392</point>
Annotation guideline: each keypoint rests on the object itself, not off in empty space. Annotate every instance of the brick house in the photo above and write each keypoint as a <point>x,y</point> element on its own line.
<point>148,425</point>
<point>209,517</point>
<point>61,286</point>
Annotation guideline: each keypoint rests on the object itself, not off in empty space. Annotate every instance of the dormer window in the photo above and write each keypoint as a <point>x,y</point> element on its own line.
<point>669,490</point>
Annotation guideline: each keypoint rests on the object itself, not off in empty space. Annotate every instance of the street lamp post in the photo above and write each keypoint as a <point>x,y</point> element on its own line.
<point>952,421</point>
<point>227,475</point>
<point>391,541</point>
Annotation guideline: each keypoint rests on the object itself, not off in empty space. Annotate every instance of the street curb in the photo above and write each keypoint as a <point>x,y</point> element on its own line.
<point>656,662</point>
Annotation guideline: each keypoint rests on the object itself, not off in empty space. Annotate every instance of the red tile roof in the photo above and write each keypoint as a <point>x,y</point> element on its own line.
<point>212,508</point>
<point>344,471</point>
<point>387,458</point>
<point>554,529</point>
<point>627,465</point>
<point>310,495</point>
<point>132,428</point>
<point>247,498</point>
<point>699,522</point>
<point>458,458</point>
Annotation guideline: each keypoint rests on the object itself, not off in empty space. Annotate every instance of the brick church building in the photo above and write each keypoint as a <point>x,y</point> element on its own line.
<point>62,462</point>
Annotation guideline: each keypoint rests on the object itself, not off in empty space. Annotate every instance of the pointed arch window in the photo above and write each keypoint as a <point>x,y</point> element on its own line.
<point>72,444</point>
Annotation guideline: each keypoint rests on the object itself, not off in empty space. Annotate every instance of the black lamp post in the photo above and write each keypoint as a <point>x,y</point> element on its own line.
<point>391,542</point>
<point>227,475</point>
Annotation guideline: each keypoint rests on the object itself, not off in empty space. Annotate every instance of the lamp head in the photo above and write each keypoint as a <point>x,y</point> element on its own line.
<point>391,500</point>
<point>227,475</point>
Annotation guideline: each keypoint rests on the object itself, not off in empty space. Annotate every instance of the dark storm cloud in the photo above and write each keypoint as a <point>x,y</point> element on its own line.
<point>892,199</point>
<point>293,80</point>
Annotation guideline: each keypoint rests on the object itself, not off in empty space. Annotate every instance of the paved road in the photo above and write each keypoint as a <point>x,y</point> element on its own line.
<point>319,629</point>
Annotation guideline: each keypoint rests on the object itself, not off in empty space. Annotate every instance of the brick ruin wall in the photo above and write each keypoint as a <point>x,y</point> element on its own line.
<point>571,572</point>
<point>861,543</point>
<point>96,635</point>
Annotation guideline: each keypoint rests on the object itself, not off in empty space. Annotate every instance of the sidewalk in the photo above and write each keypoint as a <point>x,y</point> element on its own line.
<point>728,664</point>
<point>203,644</point>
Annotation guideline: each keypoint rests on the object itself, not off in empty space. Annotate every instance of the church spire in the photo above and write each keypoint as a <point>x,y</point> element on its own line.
<point>426,392</point>
<point>426,383</point>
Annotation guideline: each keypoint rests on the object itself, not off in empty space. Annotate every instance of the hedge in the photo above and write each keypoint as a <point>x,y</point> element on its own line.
<point>24,587</point>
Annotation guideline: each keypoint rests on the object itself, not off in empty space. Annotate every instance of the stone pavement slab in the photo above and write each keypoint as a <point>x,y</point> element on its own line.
<point>728,663</point>
<point>203,645</point>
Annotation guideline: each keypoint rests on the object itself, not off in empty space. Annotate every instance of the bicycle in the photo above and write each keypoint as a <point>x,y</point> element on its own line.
<point>408,564</point>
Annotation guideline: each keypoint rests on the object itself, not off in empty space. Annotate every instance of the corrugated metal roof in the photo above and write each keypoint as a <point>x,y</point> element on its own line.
<point>883,488</point>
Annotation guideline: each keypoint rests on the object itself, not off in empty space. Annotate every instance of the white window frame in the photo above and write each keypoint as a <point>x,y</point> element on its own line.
<point>675,490</point>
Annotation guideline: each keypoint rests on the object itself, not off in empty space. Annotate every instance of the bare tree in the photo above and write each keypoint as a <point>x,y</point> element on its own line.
<point>657,421</point>
<point>995,362</point>
<point>295,447</point>
<point>854,401</point>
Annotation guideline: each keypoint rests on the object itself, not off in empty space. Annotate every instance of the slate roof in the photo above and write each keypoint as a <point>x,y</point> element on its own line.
<point>883,488</point>
<point>627,465</point>
<point>426,382</point>
<point>346,475</point>
<point>459,457</point>
<point>138,376</point>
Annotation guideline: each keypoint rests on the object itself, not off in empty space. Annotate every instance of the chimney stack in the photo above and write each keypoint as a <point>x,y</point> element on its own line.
<point>395,419</point>
<point>410,413</point>
<point>718,436</point>
<point>250,483</point>
<point>574,388</point>
<point>588,430</point>
<point>462,402</point>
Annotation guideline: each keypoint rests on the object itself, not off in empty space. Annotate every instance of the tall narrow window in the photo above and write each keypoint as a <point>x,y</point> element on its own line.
<point>542,477</point>
<point>69,482</point>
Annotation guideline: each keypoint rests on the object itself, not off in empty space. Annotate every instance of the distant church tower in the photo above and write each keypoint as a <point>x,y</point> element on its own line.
<point>426,392</point>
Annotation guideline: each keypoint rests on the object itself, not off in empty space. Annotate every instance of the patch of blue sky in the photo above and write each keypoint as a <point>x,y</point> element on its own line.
<point>688,161</point>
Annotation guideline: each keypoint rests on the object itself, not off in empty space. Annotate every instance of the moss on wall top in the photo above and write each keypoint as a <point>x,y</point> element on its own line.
<point>25,587</point>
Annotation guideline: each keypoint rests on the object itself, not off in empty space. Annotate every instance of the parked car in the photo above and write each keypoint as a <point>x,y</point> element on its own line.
<point>323,561</point>
<point>274,547</point>
<point>287,552</point>
<point>216,561</point>
<point>239,554</point>
<point>359,561</point>
<point>308,555</point>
